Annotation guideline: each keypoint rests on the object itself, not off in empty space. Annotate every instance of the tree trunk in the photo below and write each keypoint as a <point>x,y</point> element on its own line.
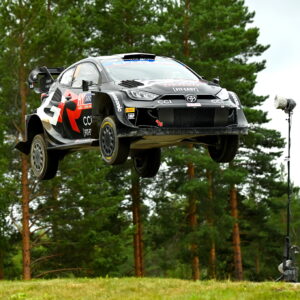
<point>257,262</point>
<point>24,180</point>
<point>237,254</point>
<point>25,220</point>
<point>212,260</point>
<point>192,215</point>
<point>192,210</point>
<point>210,221</point>
<point>1,265</point>
<point>138,234</point>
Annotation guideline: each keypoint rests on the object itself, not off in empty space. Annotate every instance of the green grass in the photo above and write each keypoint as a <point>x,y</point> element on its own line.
<point>146,288</point>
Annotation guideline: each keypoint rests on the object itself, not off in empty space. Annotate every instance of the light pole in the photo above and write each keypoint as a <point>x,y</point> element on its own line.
<point>288,268</point>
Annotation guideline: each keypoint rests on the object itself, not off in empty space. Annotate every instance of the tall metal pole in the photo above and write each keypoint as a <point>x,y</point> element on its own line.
<point>288,268</point>
<point>287,241</point>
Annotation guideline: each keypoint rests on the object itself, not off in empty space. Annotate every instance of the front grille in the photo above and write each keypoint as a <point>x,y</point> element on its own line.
<point>182,97</point>
<point>185,117</point>
<point>199,117</point>
<point>206,97</point>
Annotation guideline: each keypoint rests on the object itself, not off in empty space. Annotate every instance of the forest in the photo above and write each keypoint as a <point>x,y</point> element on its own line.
<point>196,219</point>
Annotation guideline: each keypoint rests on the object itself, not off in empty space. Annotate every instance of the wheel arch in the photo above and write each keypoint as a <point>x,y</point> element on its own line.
<point>105,104</point>
<point>33,127</point>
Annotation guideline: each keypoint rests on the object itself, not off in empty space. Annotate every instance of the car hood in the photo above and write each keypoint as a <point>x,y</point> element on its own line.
<point>173,87</point>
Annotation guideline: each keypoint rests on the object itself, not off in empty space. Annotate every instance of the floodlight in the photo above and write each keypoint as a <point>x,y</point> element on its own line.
<point>284,103</point>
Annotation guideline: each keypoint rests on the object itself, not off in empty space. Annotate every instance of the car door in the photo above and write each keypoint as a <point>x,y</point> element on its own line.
<point>81,118</point>
<point>75,106</point>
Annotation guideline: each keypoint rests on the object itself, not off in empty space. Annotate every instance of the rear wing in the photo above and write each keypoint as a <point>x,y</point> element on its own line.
<point>41,78</point>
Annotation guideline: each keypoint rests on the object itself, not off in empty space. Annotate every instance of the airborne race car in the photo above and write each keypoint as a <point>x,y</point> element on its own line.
<point>128,104</point>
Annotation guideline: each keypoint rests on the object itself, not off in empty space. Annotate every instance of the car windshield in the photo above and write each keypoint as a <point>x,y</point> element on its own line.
<point>145,69</point>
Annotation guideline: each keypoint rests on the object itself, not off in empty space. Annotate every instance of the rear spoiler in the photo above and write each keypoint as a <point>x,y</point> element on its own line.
<point>41,78</point>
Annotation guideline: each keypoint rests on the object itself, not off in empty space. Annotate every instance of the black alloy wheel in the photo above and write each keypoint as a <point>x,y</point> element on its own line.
<point>147,162</point>
<point>114,150</point>
<point>225,149</point>
<point>44,163</point>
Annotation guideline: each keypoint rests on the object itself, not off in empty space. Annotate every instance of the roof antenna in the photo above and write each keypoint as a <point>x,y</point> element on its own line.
<point>288,268</point>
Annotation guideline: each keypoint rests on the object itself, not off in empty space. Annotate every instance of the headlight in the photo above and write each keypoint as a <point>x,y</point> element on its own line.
<point>223,94</point>
<point>141,95</point>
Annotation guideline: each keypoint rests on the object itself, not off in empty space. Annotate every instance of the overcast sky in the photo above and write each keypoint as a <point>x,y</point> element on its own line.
<point>279,24</point>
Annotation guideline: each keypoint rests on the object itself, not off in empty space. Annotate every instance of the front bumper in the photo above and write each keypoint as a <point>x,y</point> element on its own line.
<point>194,131</point>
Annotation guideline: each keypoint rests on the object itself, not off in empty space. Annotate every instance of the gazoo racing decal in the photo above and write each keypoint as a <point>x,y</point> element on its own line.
<point>117,102</point>
<point>71,111</point>
<point>45,117</point>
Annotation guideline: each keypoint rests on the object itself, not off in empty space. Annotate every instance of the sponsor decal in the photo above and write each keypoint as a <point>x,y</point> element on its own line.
<point>131,116</point>
<point>164,101</point>
<point>130,109</point>
<point>88,98</point>
<point>219,101</point>
<point>87,120</point>
<point>84,101</point>
<point>87,132</point>
<point>185,89</point>
<point>191,98</point>
<point>235,100</point>
<point>193,104</point>
<point>117,102</point>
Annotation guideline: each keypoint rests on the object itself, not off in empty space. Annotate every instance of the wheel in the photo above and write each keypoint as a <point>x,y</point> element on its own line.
<point>225,148</point>
<point>44,163</point>
<point>113,149</point>
<point>147,162</point>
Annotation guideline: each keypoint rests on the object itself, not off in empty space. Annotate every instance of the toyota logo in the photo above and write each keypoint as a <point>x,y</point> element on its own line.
<point>191,98</point>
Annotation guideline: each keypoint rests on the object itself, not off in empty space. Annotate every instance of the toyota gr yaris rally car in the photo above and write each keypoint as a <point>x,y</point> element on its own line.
<point>128,104</point>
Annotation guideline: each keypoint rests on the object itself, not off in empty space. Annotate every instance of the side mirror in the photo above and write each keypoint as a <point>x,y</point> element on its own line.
<point>216,80</point>
<point>86,84</point>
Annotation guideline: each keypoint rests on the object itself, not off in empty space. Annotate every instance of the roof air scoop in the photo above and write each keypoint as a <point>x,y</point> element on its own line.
<point>132,56</point>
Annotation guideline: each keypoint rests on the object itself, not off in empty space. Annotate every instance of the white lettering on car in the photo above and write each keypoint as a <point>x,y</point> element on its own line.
<point>117,102</point>
<point>87,132</point>
<point>217,101</point>
<point>235,100</point>
<point>193,104</point>
<point>185,89</point>
<point>164,101</point>
<point>87,120</point>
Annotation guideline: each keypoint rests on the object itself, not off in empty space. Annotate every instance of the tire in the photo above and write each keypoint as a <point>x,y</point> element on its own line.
<point>44,163</point>
<point>114,150</point>
<point>147,162</point>
<point>225,148</point>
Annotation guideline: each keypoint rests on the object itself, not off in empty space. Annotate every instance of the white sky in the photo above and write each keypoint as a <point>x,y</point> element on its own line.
<point>279,24</point>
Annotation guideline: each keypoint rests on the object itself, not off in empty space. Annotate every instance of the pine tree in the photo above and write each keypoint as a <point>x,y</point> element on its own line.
<point>26,28</point>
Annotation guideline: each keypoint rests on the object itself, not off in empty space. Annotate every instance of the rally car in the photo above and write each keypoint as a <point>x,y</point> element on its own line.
<point>128,104</point>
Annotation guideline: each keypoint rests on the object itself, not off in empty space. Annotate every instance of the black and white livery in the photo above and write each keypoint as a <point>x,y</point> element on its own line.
<point>128,105</point>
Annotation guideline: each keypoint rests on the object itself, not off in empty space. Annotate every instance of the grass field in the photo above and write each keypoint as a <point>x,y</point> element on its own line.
<point>146,288</point>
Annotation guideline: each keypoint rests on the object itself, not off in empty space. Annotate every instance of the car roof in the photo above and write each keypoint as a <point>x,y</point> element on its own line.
<point>137,55</point>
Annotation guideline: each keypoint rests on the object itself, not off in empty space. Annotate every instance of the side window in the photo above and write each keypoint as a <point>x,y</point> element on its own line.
<point>66,79</point>
<point>87,72</point>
